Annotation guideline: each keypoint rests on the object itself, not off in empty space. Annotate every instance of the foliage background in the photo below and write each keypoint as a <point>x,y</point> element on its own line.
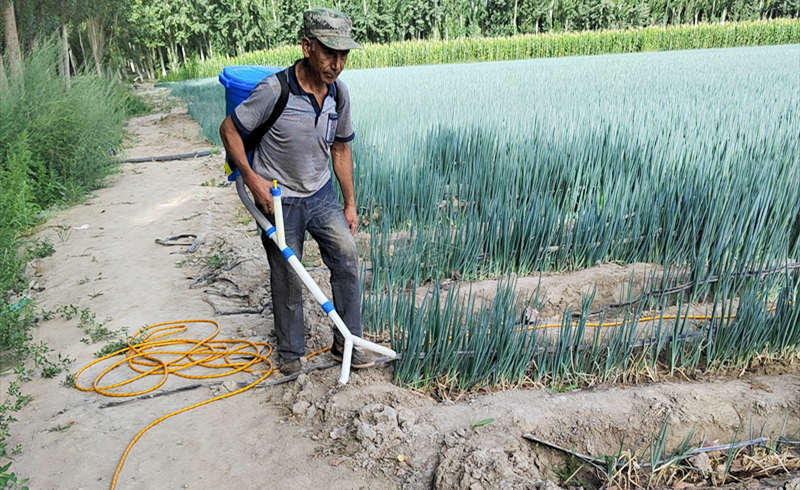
<point>149,37</point>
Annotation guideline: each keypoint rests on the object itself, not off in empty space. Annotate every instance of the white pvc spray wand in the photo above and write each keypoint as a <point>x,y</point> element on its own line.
<point>276,234</point>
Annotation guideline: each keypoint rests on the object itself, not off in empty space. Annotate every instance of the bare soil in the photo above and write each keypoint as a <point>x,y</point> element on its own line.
<point>312,432</point>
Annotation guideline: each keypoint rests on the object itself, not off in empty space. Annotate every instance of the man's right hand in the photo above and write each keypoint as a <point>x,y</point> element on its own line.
<point>259,187</point>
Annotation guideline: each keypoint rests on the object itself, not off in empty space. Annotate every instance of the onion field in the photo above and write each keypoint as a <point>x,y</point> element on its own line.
<point>686,160</point>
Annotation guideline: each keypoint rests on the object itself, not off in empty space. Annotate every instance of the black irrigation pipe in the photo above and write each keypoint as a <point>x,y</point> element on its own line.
<point>166,158</point>
<point>690,284</point>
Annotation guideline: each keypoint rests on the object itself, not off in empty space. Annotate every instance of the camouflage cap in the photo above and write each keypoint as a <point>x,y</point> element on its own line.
<point>330,27</point>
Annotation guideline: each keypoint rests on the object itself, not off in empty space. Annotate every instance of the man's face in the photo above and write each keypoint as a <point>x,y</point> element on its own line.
<point>328,62</point>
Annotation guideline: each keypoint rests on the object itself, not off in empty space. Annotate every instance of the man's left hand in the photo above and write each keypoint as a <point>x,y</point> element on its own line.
<point>351,215</point>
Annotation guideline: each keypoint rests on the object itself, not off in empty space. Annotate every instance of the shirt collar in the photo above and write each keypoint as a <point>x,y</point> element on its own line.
<point>296,89</point>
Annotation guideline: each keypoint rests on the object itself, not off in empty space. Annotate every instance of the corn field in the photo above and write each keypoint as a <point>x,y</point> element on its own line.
<point>779,31</point>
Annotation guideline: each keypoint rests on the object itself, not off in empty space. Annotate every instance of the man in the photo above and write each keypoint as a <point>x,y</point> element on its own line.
<point>314,127</point>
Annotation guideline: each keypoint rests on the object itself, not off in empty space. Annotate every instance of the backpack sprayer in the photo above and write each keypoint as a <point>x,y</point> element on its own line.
<point>276,234</point>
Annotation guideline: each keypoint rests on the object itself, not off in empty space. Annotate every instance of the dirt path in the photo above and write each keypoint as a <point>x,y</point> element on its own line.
<point>311,433</point>
<point>242,442</point>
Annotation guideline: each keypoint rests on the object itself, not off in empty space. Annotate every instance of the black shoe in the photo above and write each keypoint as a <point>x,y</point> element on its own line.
<point>290,367</point>
<point>358,360</point>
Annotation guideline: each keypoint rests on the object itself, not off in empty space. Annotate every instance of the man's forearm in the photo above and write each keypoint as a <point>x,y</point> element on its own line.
<point>343,168</point>
<point>234,147</point>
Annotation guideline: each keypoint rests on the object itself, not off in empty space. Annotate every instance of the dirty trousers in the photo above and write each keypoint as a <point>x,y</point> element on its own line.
<point>322,216</point>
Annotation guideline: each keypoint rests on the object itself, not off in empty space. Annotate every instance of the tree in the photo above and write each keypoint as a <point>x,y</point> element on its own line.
<point>12,40</point>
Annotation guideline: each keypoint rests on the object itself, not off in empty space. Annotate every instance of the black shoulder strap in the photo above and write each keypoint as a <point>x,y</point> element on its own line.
<point>254,138</point>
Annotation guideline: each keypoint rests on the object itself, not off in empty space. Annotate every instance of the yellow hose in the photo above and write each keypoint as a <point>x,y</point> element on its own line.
<point>144,355</point>
<point>640,320</point>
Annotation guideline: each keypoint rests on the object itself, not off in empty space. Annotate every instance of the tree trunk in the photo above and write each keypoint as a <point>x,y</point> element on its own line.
<point>65,55</point>
<point>514,20</point>
<point>172,56</point>
<point>83,51</point>
<point>151,64</point>
<point>72,61</point>
<point>3,79</point>
<point>12,41</point>
<point>161,58</point>
<point>97,39</point>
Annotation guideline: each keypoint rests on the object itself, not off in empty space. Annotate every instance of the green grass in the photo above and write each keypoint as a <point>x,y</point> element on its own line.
<point>732,34</point>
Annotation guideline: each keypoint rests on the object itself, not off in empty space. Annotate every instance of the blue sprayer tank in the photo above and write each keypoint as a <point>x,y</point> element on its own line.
<point>239,81</point>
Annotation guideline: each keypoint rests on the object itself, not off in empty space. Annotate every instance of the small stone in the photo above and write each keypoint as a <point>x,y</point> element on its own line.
<point>368,411</point>
<point>793,484</point>
<point>338,432</point>
<point>300,407</point>
<point>230,386</point>
<point>311,411</point>
<point>336,460</point>
<point>387,416</point>
<point>406,418</point>
<point>366,431</point>
<point>401,457</point>
<point>702,462</point>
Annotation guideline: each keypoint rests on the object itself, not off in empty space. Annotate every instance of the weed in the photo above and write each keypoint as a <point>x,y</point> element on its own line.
<point>49,368</point>
<point>14,403</point>
<point>39,249</point>
<point>96,330</point>
<point>179,264</point>
<point>121,342</point>
<point>480,423</point>
<point>47,315</point>
<point>243,217</point>
<point>569,471</point>
<point>213,182</point>
<point>558,388</point>
<point>216,261</point>
<point>111,347</point>
<point>23,373</point>
<point>68,312</point>
<point>10,480</point>
<point>62,427</point>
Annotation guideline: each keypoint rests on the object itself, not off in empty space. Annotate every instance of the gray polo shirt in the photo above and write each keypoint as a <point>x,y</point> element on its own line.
<point>297,149</point>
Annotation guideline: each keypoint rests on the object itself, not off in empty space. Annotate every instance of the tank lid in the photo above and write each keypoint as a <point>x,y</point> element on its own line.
<point>245,77</point>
